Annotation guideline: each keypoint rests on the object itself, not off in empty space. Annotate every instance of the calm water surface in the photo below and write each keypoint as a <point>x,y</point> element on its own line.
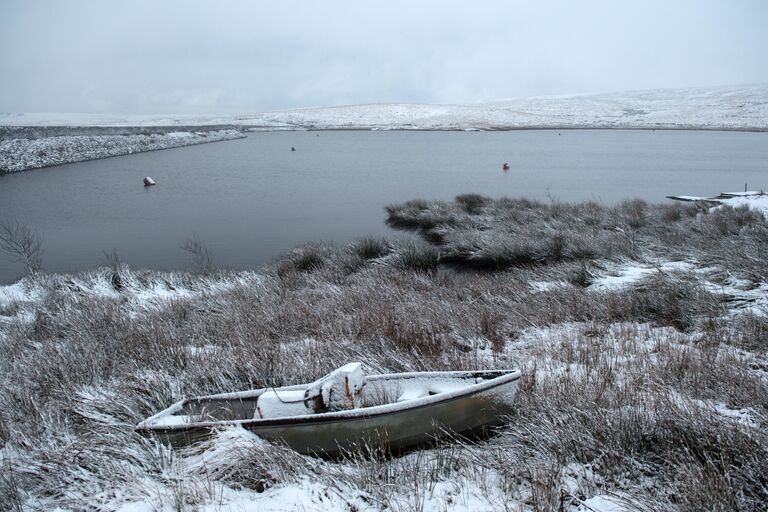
<point>252,199</point>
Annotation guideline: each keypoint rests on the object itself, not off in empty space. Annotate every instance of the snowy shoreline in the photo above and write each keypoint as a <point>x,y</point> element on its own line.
<point>26,154</point>
<point>22,154</point>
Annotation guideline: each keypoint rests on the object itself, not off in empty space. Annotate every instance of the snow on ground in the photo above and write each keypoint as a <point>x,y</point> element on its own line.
<point>17,301</point>
<point>745,416</point>
<point>329,487</point>
<point>16,292</point>
<point>754,199</point>
<point>303,496</point>
<point>602,503</point>
<point>735,107</point>
<point>545,286</point>
<point>758,201</point>
<point>742,295</point>
<point>632,273</point>
<point>311,496</point>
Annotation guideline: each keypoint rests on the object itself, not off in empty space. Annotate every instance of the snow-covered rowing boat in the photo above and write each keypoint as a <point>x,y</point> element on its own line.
<point>346,409</point>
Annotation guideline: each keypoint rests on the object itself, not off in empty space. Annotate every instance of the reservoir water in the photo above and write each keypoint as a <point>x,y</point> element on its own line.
<point>250,200</point>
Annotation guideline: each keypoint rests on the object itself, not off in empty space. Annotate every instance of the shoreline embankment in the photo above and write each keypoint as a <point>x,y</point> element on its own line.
<point>25,148</point>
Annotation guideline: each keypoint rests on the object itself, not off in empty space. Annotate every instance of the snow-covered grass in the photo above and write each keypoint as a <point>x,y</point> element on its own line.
<point>645,383</point>
<point>20,154</point>
<point>734,108</point>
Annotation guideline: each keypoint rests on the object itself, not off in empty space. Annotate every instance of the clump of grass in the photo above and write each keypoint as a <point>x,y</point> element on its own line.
<point>418,337</point>
<point>635,213</point>
<point>591,213</point>
<point>674,301</point>
<point>421,215</point>
<point>672,214</point>
<point>116,267</point>
<point>728,220</point>
<point>416,257</point>
<point>406,215</point>
<point>491,328</point>
<point>472,203</point>
<point>41,328</point>
<point>370,248</point>
<point>502,255</point>
<point>305,259</point>
<point>580,276</point>
<point>748,331</point>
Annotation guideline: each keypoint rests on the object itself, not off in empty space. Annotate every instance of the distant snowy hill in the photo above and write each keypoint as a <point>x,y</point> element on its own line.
<point>734,108</point>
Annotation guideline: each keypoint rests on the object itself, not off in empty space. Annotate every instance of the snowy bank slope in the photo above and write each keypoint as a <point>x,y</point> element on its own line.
<point>645,364</point>
<point>21,154</point>
<point>733,108</point>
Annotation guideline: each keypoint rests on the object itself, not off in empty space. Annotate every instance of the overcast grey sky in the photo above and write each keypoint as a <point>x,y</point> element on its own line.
<point>244,56</point>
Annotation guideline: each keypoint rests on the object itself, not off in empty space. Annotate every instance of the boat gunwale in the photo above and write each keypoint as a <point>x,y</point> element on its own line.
<point>504,377</point>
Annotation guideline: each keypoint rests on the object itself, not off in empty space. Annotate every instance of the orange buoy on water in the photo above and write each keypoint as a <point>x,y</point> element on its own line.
<point>505,166</point>
<point>148,182</point>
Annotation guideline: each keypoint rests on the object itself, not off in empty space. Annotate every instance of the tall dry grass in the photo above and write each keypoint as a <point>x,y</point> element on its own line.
<point>655,392</point>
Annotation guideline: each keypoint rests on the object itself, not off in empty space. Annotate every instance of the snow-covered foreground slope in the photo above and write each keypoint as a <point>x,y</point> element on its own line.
<point>644,361</point>
<point>733,108</point>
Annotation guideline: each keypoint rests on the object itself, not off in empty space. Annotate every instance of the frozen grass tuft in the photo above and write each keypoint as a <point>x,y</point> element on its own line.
<point>472,203</point>
<point>305,259</point>
<point>416,257</point>
<point>371,248</point>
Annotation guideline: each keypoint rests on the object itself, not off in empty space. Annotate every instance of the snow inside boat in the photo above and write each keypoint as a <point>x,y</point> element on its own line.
<point>347,409</point>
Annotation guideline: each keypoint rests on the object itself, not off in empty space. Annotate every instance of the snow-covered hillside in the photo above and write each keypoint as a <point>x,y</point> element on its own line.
<point>733,108</point>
